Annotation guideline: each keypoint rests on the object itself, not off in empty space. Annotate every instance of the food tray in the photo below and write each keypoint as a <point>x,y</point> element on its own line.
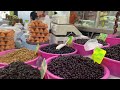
<point>37,27</point>
<point>37,36</point>
<point>6,37</point>
<point>6,49</point>
<point>5,40</point>
<point>36,43</point>
<point>39,32</point>
<point>7,44</point>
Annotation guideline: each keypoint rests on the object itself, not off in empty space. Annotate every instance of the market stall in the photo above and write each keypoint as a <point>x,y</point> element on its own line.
<point>31,51</point>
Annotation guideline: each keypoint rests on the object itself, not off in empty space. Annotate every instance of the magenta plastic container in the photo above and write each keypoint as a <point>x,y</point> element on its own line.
<point>52,76</point>
<point>30,62</point>
<point>112,40</point>
<point>81,50</point>
<point>48,55</point>
<point>113,66</point>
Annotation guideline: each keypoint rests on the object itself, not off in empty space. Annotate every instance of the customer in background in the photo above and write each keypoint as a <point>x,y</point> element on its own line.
<point>33,16</point>
<point>73,17</point>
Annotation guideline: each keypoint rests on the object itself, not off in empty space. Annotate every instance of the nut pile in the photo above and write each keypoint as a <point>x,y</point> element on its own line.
<point>38,32</point>
<point>22,54</point>
<point>83,41</point>
<point>52,49</point>
<point>75,67</point>
<point>19,70</point>
<point>113,52</point>
<point>7,40</point>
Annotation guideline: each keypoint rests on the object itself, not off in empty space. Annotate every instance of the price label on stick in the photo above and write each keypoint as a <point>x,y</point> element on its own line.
<point>102,36</point>
<point>43,68</point>
<point>98,55</point>
<point>70,40</point>
<point>37,48</point>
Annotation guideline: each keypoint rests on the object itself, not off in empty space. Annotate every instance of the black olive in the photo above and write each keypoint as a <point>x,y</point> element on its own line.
<point>75,67</point>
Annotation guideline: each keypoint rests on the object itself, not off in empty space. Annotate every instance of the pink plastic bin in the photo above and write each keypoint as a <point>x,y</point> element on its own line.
<point>112,40</point>
<point>52,76</point>
<point>113,66</point>
<point>81,50</point>
<point>48,55</point>
<point>30,62</point>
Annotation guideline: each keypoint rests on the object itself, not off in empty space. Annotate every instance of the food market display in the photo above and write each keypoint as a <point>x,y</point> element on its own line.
<point>38,32</point>
<point>41,55</point>
<point>52,49</point>
<point>22,54</point>
<point>83,41</point>
<point>7,39</point>
<point>75,67</point>
<point>113,52</point>
<point>19,70</point>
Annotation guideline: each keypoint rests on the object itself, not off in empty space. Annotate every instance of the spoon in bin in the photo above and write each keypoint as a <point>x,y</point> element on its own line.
<point>40,59</point>
<point>62,45</point>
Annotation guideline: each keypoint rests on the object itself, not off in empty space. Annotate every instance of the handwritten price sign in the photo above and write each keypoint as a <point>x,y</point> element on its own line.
<point>98,55</point>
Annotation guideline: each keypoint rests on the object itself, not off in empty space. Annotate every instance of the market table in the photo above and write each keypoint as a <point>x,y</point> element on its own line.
<point>96,30</point>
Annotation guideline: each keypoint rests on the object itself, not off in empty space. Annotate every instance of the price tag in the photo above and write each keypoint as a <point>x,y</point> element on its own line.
<point>43,68</point>
<point>98,55</point>
<point>37,48</point>
<point>69,42</point>
<point>102,36</point>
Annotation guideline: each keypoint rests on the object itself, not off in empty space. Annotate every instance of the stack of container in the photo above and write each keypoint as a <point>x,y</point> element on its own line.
<point>38,32</point>
<point>7,39</point>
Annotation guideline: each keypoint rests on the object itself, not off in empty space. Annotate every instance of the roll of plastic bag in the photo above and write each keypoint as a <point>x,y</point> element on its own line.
<point>92,44</point>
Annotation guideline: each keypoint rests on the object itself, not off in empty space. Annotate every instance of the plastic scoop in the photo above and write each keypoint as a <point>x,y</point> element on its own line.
<point>43,68</point>
<point>61,45</point>
<point>37,48</point>
<point>39,61</point>
<point>69,41</point>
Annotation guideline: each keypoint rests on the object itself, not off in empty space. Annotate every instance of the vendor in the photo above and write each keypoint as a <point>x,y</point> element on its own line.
<point>33,16</point>
<point>43,16</point>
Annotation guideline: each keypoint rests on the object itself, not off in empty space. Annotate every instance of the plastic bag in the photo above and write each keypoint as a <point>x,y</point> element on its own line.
<point>91,44</point>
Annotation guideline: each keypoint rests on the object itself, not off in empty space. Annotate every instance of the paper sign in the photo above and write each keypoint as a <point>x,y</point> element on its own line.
<point>43,68</point>
<point>70,40</point>
<point>98,55</point>
<point>37,48</point>
<point>102,36</point>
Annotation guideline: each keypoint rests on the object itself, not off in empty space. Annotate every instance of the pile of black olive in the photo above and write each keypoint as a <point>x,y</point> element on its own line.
<point>19,70</point>
<point>52,49</point>
<point>75,67</point>
<point>83,41</point>
<point>113,52</point>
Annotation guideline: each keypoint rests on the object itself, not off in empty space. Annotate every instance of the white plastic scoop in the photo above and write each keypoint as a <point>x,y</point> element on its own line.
<point>62,45</point>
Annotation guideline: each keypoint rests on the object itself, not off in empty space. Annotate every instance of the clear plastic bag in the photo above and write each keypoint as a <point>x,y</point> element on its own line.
<point>92,44</point>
